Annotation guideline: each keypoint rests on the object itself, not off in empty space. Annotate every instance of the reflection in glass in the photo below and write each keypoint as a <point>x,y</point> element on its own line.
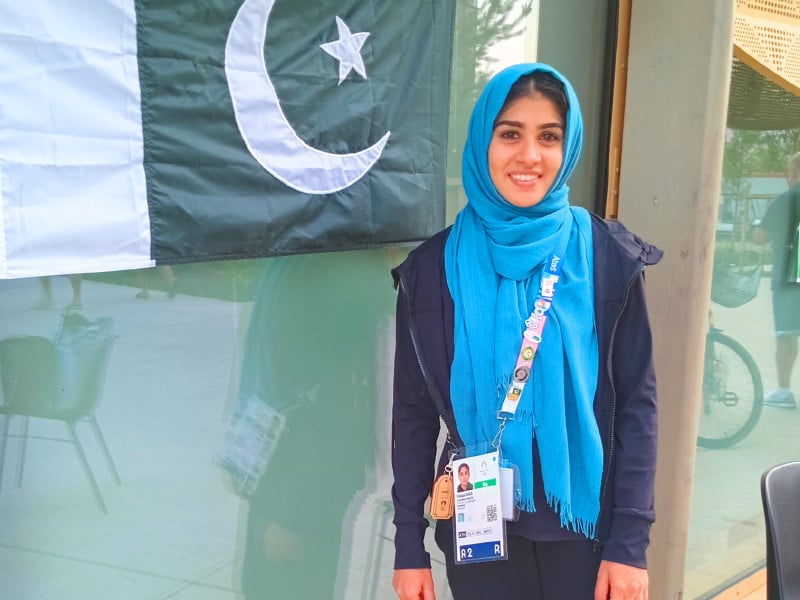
<point>732,392</point>
<point>312,357</point>
<point>316,342</point>
<point>781,227</point>
<point>739,436</point>
<point>61,380</point>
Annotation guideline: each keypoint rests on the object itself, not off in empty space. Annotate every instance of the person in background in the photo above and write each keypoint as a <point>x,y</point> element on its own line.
<point>778,226</point>
<point>167,275</point>
<point>584,433</point>
<point>46,300</point>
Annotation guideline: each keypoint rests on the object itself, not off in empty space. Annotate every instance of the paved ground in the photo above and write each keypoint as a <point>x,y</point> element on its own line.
<point>171,531</point>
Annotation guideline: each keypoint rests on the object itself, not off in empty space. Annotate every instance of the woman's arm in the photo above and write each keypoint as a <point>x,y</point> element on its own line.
<point>635,436</point>
<point>415,429</point>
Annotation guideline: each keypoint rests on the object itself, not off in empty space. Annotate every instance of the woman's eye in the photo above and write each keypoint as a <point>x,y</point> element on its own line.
<point>550,136</point>
<point>509,134</point>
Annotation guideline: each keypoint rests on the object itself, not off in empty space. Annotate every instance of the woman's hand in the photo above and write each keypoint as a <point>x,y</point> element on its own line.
<point>616,581</point>
<point>413,584</point>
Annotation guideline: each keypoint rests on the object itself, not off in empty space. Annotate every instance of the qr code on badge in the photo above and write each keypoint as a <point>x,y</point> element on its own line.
<point>491,513</point>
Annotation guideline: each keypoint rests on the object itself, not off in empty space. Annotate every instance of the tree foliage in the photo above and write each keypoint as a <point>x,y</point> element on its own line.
<point>480,25</point>
<point>748,153</point>
<point>498,20</point>
<point>751,152</point>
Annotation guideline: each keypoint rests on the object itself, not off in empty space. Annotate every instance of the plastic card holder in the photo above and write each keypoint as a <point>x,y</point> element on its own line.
<point>510,490</point>
<point>479,529</point>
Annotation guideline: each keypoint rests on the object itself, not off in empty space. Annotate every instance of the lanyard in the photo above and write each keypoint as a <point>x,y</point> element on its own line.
<point>532,336</point>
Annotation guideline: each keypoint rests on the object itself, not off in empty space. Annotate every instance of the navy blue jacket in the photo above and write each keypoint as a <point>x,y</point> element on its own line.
<point>624,404</point>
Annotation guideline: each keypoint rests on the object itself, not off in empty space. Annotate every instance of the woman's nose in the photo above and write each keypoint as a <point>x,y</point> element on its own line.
<point>530,152</point>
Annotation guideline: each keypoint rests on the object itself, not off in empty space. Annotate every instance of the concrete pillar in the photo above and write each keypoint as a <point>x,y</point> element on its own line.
<point>671,169</point>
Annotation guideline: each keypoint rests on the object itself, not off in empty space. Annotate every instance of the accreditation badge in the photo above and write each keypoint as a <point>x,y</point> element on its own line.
<point>479,529</point>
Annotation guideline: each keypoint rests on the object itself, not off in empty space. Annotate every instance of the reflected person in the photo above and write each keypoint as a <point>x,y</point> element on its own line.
<point>46,300</point>
<point>779,225</point>
<point>310,353</point>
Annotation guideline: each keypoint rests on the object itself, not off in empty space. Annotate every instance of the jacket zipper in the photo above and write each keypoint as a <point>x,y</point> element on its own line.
<point>613,416</point>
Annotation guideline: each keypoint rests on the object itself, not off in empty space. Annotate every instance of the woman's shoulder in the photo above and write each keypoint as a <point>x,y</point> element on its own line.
<point>425,262</point>
<point>611,238</point>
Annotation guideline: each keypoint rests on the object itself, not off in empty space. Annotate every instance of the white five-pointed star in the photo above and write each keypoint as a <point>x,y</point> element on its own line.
<point>347,50</point>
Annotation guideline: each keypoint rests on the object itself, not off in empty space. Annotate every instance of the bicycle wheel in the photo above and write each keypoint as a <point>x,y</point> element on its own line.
<point>732,393</point>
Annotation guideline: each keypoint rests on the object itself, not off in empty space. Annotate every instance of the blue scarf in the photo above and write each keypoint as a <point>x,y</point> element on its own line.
<point>493,262</point>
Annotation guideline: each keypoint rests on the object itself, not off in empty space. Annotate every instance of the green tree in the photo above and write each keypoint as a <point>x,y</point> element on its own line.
<point>739,159</point>
<point>750,152</point>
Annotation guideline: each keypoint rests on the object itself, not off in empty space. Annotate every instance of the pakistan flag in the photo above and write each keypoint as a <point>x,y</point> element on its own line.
<point>135,133</point>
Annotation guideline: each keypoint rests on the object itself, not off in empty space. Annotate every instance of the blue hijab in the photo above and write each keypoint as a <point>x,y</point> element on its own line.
<point>493,262</point>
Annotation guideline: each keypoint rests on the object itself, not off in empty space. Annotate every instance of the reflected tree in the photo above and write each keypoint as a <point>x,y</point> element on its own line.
<point>748,153</point>
<point>497,20</point>
<point>480,25</point>
<point>751,152</point>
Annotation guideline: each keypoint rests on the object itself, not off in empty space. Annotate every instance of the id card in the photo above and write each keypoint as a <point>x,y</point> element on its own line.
<point>249,443</point>
<point>479,530</point>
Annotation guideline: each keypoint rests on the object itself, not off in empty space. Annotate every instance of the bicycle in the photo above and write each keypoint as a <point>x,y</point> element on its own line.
<point>733,392</point>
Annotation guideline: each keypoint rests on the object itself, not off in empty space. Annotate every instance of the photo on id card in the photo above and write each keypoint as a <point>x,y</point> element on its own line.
<point>479,531</point>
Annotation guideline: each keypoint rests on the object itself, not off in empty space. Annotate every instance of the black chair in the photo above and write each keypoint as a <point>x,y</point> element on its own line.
<point>60,380</point>
<point>780,495</point>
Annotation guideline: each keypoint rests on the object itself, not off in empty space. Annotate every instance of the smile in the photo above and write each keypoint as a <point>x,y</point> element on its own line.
<point>525,178</point>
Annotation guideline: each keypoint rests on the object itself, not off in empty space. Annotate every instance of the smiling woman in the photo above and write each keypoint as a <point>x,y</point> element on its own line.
<point>527,146</point>
<point>458,356</point>
<point>526,150</point>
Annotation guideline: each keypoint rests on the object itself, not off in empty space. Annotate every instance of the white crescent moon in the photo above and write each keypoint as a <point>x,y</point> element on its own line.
<point>267,133</point>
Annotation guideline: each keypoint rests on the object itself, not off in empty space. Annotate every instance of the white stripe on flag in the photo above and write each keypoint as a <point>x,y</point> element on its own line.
<point>72,184</point>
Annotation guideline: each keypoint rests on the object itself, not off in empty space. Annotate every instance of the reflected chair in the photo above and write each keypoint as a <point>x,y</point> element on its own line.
<point>780,496</point>
<point>44,379</point>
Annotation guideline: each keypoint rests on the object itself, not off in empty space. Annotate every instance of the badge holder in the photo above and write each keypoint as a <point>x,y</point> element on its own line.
<point>510,490</point>
<point>479,529</point>
<point>442,505</point>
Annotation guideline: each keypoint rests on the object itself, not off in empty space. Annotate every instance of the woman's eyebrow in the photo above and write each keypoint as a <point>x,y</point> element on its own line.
<point>509,123</point>
<point>554,125</point>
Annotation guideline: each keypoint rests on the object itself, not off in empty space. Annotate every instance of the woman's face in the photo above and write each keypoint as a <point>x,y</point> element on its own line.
<point>526,150</point>
<point>463,476</point>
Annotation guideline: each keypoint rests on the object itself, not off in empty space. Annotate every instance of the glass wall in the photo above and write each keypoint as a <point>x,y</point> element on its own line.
<point>147,513</point>
<point>121,392</point>
<point>739,437</point>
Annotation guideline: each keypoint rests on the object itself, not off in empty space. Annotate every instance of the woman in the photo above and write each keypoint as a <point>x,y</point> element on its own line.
<point>584,433</point>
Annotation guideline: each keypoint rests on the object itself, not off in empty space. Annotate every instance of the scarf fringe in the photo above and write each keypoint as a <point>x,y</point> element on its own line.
<point>585,527</point>
<point>582,525</point>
